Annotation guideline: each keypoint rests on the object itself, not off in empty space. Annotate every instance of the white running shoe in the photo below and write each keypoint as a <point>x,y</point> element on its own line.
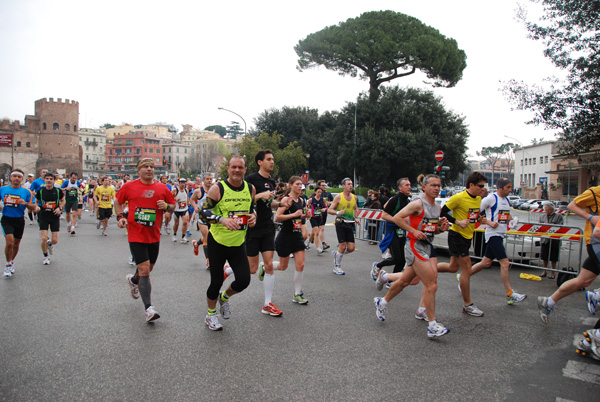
<point>437,330</point>
<point>458,280</point>
<point>380,309</point>
<point>338,270</point>
<point>213,322</point>
<point>386,256</point>
<point>515,298</point>
<point>11,266</point>
<point>135,291</point>
<point>174,239</point>
<point>421,316</point>
<point>69,228</point>
<point>319,251</point>
<point>131,262</point>
<point>50,247</point>
<point>592,301</point>
<point>98,223</point>
<point>46,261</point>
<point>184,240</point>
<point>225,311</point>
<point>380,282</point>
<point>374,271</point>
<point>7,273</point>
<point>472,310</point>
<point>151,314</point>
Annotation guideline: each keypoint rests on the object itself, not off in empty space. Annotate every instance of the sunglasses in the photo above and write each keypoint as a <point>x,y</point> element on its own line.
<point>481,185</point>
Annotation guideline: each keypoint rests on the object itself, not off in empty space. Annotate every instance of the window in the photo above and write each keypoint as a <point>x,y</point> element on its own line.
<point>75,128</point>
<point>534,159</point>
<point>44,126</point>
<point>541,159</point>
<point>67,127</point>
<point>534,179</point>
<point>18,143</point>
<point>117,160</point>
<point>55,126</point>
<point>530,161</point>
<point>28,145</point>
<point>137,151</point>
<point>151,150</point>
<point>546,158</point>
<point>525,162</point>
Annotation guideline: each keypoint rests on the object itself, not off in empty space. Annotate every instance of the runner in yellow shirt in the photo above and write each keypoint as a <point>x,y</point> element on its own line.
<point>104,195</point>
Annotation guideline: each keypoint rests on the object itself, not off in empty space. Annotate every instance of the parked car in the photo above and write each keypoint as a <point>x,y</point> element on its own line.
<point>513,198</point>
<point>524,205</point>
<point>561,205</point>
<point>531,203</point>
<point>360,200</point>
<point>518,203</point>
<point>537,204</point>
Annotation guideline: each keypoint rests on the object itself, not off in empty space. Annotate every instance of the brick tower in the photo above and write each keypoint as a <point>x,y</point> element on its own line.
<point>59,135</point>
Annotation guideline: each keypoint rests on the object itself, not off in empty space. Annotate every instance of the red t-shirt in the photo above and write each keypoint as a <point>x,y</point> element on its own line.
<point>143,220</point>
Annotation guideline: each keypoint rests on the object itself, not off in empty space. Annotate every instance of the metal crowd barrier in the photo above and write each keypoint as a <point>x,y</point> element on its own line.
<point>523,243</point>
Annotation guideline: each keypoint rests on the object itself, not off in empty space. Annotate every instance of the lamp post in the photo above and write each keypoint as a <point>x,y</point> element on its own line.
<point>231,111</point>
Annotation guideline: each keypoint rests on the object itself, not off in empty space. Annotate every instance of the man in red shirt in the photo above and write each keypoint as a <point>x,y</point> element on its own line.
<point>146,200</point>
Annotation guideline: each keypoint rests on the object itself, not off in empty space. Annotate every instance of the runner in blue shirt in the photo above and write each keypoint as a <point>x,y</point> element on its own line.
<point>13,201</point>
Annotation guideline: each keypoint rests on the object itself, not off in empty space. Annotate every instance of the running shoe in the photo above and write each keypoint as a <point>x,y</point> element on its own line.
<point>151,314</point>
<point>213,322</point>
<point>225,274</point>
<point>319,251</point>
<point>386,256</point>
<point>334,253</point>
<point>135,291</point>
<point>104,234</point>
<point>437,330</point>
<point>98,224</point>
<point>380,282</point>
<point>299,298</point>
<point>174,239</point>
<point>225,312</point>
<point>69,228</point>
<point>272,310</point>
<point>472,310</point>
<point>338,270</point>
<point>545,310</point>
<point>458,280</point>
<point>380,309</point>
<point>592,301</point>
<point>207,263</point>
<point>196,247</point>
<point>7,273</point>
<point>374,271</point>
<point>184,240</point>
<point>168,230</point>
<point>131,261</point>
<point>188,233</point>
<point>46,261</point>
<point>261,271</point>
<point>388,285</point>
<point>72,233</point>
<point>307,245</point>
<point>421,316</point>
<point>325,246</point>
<point>11,266</point>
<point>50,247</point>
<point>515,298</point>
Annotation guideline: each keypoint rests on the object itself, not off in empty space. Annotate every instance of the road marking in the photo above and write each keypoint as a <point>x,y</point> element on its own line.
<point>589,321</point>
<point>582,371</point>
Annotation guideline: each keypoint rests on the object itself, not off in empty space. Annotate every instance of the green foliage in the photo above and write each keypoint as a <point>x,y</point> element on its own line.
<point>289,160</point>
<point>570,30</point>
<point>222,131</point>
<point>380,46</point>
<point>494,154</point>
<point>107,126</point>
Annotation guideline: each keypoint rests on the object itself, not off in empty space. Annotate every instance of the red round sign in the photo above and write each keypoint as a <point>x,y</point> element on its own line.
<point>439,155</point>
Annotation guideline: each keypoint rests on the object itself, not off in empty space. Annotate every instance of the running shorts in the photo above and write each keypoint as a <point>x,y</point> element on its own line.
<point>46,221</point>
<point>592,263</point>
<point>71,207</point>
<point>421,250</point>
<point>13,226</point>
<point>458,246</point>
<point>104,213</point>
<point>286,245</point>
<point>179,214</point>
<point>345,232</point>
<point>142,252</point>
<point>260,244</point>
<point>495,248</point>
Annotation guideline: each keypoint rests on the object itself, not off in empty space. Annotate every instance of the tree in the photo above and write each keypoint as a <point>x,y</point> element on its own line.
<point>493,154</point>
<point>107,126</point>
<point>234,129</point>
<point>570,30</point>
<point>510,156</point>
<point>222,131</point>
<point>382,46</point>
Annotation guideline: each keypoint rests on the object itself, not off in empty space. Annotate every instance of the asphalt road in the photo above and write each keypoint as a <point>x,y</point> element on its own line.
<point>71,331</point>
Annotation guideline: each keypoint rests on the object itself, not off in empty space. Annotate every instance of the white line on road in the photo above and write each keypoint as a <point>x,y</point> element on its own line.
<point>582,371</point>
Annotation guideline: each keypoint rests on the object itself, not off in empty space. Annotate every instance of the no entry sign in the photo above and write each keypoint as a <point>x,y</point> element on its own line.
<point>439,156</point>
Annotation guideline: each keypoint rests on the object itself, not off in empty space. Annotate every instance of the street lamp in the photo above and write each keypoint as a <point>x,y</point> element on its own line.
<point>231,111</point>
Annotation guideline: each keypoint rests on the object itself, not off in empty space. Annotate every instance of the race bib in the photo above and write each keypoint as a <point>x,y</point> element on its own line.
<point>182,204</point>
<point>429,226</point>
<point>297,225</point>
<point>105,198</point>
<point>11,200</point>
<point>318,212</point>
<point>473,215</point>
<point>49,206</point>
<point>73,192</point>
<point>145,216</point>
<point>503,216</point>
<point>240,217</point>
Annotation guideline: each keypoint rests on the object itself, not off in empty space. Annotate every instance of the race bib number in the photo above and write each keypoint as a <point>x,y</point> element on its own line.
<point>429,226</point>
<point>503,216</point>
<point>318,212</point>
<point>11,200</point>
<point>473,215</point>
<point>240,217</point>
<point>145,216</point>
<point>105,198</point>
<point>73,192</point>
<point>297,225</point>
<point>49,206</point>
<point>182,204</point>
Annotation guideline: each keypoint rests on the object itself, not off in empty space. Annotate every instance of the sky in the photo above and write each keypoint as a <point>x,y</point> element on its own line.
<point>177,62</point>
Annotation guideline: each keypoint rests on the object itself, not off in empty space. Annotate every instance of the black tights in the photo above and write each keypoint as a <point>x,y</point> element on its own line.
<point>238,260</point>
<point>397,250</point>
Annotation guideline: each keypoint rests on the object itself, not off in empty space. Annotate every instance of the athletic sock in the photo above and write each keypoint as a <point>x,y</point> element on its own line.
<point>269,285</point>
<point>385,277</point>
<point>338,258</point>
<point>45,254</point>
<point>212,312</point>
<point>432,323</point>
<point>135,279</point>
<point>551,302</point>
<point>224,296</point>
<point>298,282</point>
<point>145,288</point>
<point>204,247</point>
<point>383,302</point>
<point>421,310</point>
<point>228,271</point>
<point>275,265</point>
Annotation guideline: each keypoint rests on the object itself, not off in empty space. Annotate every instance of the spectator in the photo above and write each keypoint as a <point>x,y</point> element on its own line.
<point>550,247</point>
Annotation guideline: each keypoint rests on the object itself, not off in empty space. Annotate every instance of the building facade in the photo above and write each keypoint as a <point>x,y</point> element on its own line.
<point>126,150</point>
<point>93,144</point>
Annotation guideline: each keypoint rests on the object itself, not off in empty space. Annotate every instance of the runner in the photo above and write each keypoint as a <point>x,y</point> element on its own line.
<point>91,189</point>
<point>164,180</point>
<point>71,188</point>
<point>39,182</point>
<point>345,207</point>
<point>586,206</point>
<point>228,209</point>
<point>191,211</point>
<point>465,207</point>
<point>425,222</point>
<point>51,201</point>
<point>13,201</point>
<point>317,209</point>
<point>261,237</point>
<point>394,238</point>
<point>328,198</point>
<point>497,216</point>
<point>197,200</point>
<point>305,216</point>
<point>290,239</point>
<point>105,195</point>
<point>181,210</point>
<point>146,200</point>
<point>27,185</point>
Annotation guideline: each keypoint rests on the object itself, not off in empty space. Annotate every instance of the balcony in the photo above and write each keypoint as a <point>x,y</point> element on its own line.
<point>93,143</point>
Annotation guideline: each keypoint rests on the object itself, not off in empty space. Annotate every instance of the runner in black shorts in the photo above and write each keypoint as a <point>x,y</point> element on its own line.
<point>328,198</point>
<point>51,201</point>
<point>345,207</point>
<point>261,237</point>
